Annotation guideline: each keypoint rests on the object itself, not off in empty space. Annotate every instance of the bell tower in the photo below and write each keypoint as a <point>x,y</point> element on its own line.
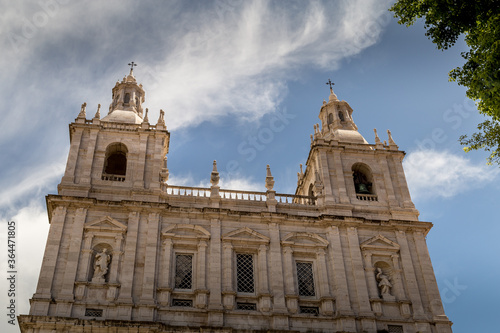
<point>350,176</point>
<point>120,154</point>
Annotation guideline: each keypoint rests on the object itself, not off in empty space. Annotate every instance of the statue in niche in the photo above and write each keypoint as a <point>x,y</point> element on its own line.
<point>101,263</point>
<point>384,284</point>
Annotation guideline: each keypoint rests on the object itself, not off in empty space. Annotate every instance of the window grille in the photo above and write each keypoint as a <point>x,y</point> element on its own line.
<point>395,329</point>
<point>246,306</point>
<point>305,279</point>
<point>93,312</point>
<point>244,272</point>
<point>183,271</point>
<point>314,310</point>
<point>182,302</point>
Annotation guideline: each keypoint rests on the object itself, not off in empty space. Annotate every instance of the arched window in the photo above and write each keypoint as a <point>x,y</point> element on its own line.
<point>341,116</point>
<point>310,194</point>
<point>126,98</point>
<point>363,179</point>
<point>115,163</point>
<point>330,118</point>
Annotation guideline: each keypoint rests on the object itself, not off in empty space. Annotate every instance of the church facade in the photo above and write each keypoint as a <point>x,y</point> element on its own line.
<point>127,251</point>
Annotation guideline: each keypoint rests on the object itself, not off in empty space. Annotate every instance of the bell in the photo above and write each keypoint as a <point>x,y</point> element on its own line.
<point>362,189</point>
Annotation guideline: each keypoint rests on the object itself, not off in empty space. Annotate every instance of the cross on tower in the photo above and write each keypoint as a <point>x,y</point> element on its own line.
<point>132,64</point>
<point>329,82</point>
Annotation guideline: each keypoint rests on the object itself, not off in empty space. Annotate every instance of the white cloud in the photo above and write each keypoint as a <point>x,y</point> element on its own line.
<point>33,183</point>
<point>31,235</point>
<point>432,174</point>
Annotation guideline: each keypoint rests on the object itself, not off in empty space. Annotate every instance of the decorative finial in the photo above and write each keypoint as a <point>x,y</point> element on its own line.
<point>377,139</point>
<point>214,177</point>
<point>164,170</point>
<point>132,64</point>
<point>161,118</point>
<point>98,113</point>
<point>330,83</point>
<point>146,119</point>
<point>269,179</point>
<point>82,111</point>
<point>391,141</point>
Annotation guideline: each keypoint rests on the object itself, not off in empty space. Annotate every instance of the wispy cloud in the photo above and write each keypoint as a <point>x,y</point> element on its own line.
<point>34,182</point>
<point>432,174</point>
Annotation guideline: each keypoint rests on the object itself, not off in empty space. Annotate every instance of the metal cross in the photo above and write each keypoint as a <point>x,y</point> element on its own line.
<point>329,82</point>
<point>132,64</point>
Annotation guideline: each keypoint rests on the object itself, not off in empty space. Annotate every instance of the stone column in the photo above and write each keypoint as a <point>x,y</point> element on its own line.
<point>227,273</point>
<point>389,186</point>
<point>69,174</point>
<point>403,185</point>
<point>127,269</point>
<point>428,273</point>
<point>278,322</point>
<point>339,171</point>
<point>290,292</point>
<point>358,272</point>
<point>44,287</point>
<point>140,161</point>
<point>215,316</point>
<point>325,176</point>
<point>370,276</point>
<point>88,159</point>
<point>149,281</point>
<point>409,274</point>
<point>263,288</point>
<point>86,257</point>
<point>115,259</point>
<point>263,277</point>
<point>74,250</point>
<point>399,291</point>
<point>324,288</point>
<point>277,282</point>
<point>202,258</point>
<point>201,286</point>
<point>165,272</point>
<point>343,303</point>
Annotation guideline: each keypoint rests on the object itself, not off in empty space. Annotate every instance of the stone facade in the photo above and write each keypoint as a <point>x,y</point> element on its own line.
<point>128,252</point>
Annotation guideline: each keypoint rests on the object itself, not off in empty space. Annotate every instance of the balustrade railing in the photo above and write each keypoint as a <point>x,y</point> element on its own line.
<point>366,197</point>
<point>116,178</point>
<point>255,196</point>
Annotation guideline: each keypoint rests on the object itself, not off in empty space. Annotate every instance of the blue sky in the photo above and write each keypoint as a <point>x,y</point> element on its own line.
<point>222,71</point>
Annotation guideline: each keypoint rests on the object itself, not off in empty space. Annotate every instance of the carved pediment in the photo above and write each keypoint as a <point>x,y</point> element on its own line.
<point>245,235</point>
<point>305,239</point>
<point>380,243</point>
<point>186,232</point>
<point>107,224</point>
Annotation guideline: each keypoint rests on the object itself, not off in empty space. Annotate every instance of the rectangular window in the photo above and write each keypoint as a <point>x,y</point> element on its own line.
<point>182,302</point>
<point>244,273</point>
<point>246,306</point>
<point>93,312</point>
<point>305,279</point>
<point>183,271</point>
<point>314,310</point>
<point>395,329</point>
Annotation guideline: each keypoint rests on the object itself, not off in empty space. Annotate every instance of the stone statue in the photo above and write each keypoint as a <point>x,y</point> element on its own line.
<point>383,283</point>
<point>101,262</point>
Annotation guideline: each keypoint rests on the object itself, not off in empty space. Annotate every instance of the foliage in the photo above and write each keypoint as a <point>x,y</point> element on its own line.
<point>479,21</point>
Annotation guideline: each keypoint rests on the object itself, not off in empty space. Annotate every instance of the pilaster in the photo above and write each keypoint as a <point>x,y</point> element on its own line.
<point>358,272</point>
<point>337,259</point>
<point>69,278</point>
<point>214,281</point>
<point>127,274</point>
<point>409,274</point>
<point>277,283</point>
